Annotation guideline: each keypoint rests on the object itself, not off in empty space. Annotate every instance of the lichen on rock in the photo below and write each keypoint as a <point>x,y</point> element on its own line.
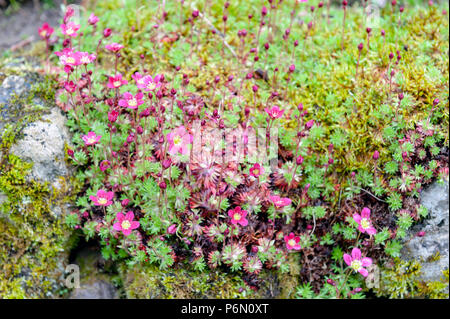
<point>34,239</point>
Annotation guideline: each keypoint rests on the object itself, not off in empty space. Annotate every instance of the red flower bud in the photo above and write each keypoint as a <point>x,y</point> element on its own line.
<point>107,32</point>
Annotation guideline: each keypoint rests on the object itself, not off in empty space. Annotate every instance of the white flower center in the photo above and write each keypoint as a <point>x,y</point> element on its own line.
<point>237,216</point>
<point>102,200</point>
<point>356,265</point>
<point>177,140</point>
<point>365,223</point>
<point>292,242</point>
<point>126,224</point>
<point>132,102</point>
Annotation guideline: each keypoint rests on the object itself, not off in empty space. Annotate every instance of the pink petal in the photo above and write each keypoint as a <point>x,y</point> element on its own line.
<point>109,195</point>
<point>347,259</point>
<point>117,226</point>
<point>366,261</point>
<point>243,222</point>
<point>363,272</point>
<point>371,231</point>
<point>365,213</point>
<point>120,217</point>
<point>101,193</point>
<point>356,253</point>
<point>357,218</point>
<point>129,216</point>
<point>134,225</point>
<point>127,232</point>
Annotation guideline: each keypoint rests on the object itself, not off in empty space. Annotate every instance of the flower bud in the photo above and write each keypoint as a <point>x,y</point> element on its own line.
<point>107,32</point>
<point>162,185</point>
<point>376,155</point>
<point>172,229</point>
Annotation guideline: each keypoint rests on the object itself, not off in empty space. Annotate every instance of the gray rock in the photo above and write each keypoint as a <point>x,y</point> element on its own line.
<point>43,144</point>
<point>436,239</point>
<point>11,87</point>
<point>94,290</point>
<point>94,284</point>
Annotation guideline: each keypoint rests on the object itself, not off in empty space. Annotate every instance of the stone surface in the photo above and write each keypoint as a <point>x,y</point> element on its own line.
<point>34,240</point>
<point>11,87</point>
<point>43,144</point>
<point>436,239</point>
<point>95,290</point>
<point>95,283</point>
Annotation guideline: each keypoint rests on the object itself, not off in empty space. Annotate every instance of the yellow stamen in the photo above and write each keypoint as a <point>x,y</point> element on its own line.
<point>126,224</point>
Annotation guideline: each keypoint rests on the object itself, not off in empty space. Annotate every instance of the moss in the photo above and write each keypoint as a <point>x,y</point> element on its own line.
<point>402,280</point>
<point>151,282</point>
<point>33,240</point>
<point>289,281</point>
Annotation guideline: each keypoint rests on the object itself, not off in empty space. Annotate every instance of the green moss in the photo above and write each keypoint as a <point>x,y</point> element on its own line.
<point>151,282</point>
<point>33,240</point>
<point>402,280</point>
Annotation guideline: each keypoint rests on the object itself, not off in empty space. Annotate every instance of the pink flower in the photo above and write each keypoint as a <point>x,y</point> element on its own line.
<point>86,58</point>
<point>116,81</point>
<point>309,124</point>
<point>104,165</point>
<point>256,170</point>
<point>107,32</point>
<point>103,198</point>
<point>69,13</point>
<point>275,112</point>
<point>70,86</point>
<point>280,202</point>
<point>125,223</point>
<point>179,140</point>
<point>130,101</point>
<point>152,84</point>
<point>292,241</point>
<point>91,138</point>
<point>114,47</point>
<point>139,79</point>
<point>45,31</point>
<point>363,220</point>
<point>357,263</point>
<point>237,216</point>
<point>70,29</point>
<point>93,19</point>
<point>112,116</point>
<point>172,229</point>
<point>68,57</point>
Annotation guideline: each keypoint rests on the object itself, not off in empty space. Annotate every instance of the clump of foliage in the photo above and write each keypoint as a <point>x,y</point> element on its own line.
<point>174,110</point>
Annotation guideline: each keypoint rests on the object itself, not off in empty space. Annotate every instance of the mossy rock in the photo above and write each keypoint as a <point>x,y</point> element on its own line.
<point>149,282</point>
<point>34,240</point>
<point>152,283</point>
